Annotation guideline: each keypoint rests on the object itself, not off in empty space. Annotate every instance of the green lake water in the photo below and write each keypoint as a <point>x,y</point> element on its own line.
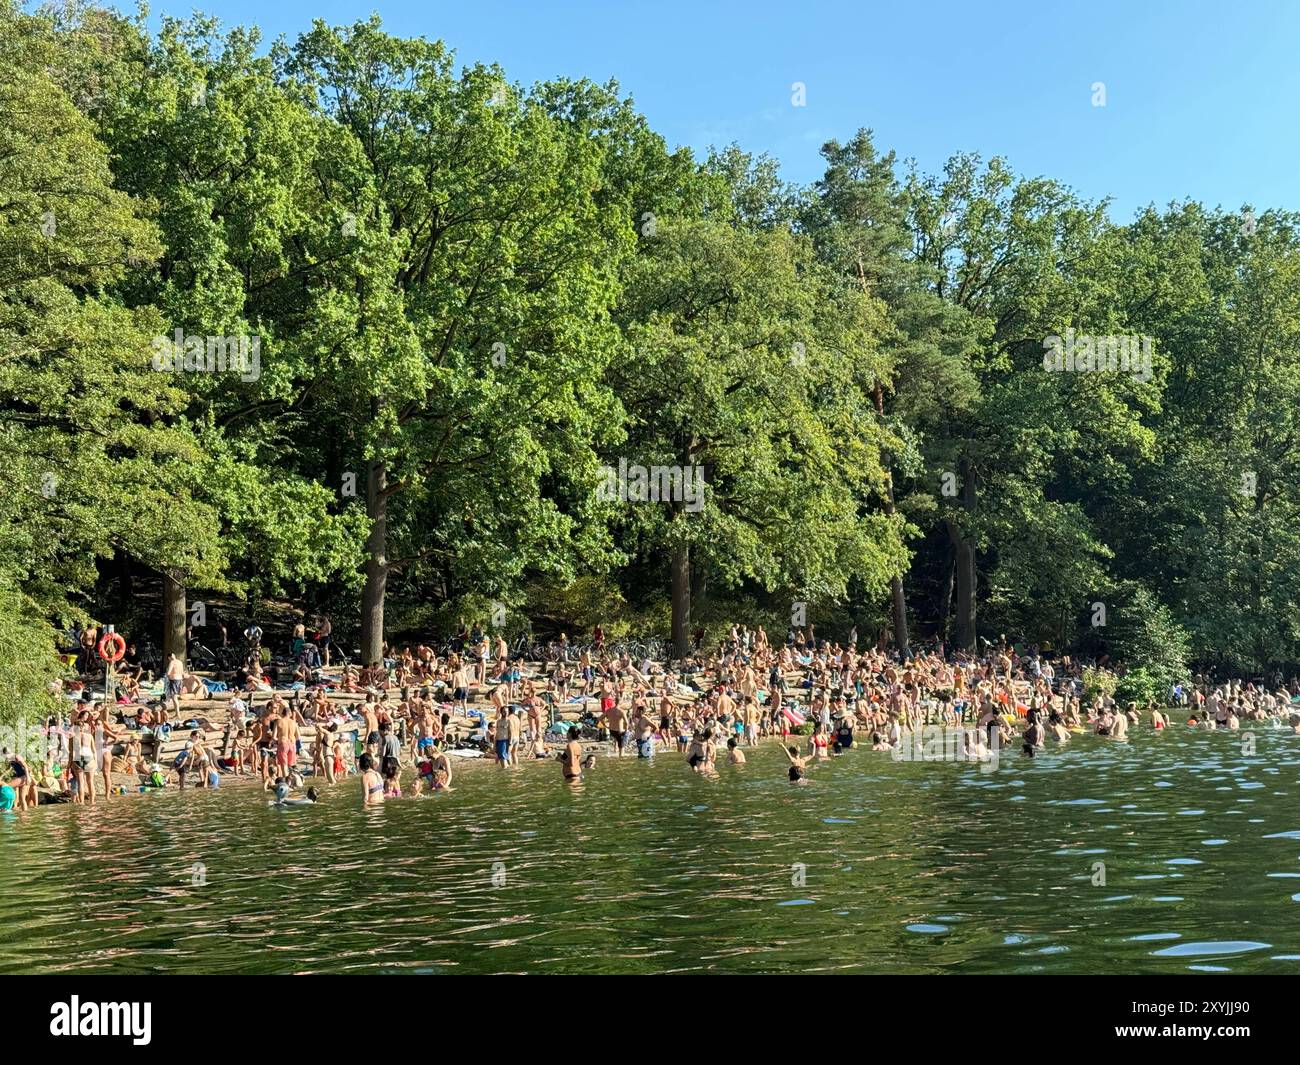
<point>874,866</point>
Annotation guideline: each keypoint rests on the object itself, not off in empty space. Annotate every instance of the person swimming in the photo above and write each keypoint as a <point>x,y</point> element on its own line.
<point>798,770</point>
<point>282,797</point>
<point>372,783</point>
<point>570,758</point>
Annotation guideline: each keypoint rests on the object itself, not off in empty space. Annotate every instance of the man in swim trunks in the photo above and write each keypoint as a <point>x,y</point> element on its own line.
<point>615,720</point>
<point>426,732</point>
<point>391,748</point>
<point>175,676</point>
<point>285,731</point>
<point>514,732</point>
<point>751,717</point>
<point>371,729</point>
<point>644,730</point>
<point>184,760</point>
<point>324,636</point>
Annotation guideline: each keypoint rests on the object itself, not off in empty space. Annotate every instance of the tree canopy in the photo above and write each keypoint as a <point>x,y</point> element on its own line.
<point>450,311</point>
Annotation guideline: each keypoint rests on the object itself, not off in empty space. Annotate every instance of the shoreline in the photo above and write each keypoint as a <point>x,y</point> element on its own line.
<point>910,741</point>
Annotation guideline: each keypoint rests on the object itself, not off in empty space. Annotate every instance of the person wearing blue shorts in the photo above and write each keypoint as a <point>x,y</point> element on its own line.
<point>644,730</point>
<point>502,735</point>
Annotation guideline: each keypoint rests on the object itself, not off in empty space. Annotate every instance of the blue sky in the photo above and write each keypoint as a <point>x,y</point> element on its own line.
<point>1202,98</point>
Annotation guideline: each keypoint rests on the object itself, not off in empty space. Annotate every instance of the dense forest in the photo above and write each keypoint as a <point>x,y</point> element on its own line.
<point>339,324</point>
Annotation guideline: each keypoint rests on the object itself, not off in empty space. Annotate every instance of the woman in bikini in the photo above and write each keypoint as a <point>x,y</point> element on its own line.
<point>83,759</point>
<point>571,758</point>
<point>372,784</point>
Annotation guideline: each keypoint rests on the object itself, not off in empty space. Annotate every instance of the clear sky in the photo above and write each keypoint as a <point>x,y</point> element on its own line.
<point>1202,98</point>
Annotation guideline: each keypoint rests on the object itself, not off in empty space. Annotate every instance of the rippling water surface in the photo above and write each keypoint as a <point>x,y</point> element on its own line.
<point>876,866</point>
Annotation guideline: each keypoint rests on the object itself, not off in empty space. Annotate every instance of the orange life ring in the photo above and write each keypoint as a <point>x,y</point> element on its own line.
<point>111,647</point>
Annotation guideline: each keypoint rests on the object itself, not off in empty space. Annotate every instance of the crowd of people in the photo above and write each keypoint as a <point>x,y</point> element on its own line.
<point>401,725</point>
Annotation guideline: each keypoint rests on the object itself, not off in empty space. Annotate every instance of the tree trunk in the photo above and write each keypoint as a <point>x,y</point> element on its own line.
<point>681,562</point>
<point>699,592</point>
<point>963,546</point>
<point>1256,593</point>
<point>681,601</point>
<point>965,566</point>
<point>900,618</point>
<point>173,589</point>
<point>896,585</point>
<point>372,598</point>
<point>945,592</point>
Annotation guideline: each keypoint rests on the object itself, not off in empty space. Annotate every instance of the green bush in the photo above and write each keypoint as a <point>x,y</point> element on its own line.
<point>1143,635</point>
<point>1098,682</point>
<point>1138,686</point>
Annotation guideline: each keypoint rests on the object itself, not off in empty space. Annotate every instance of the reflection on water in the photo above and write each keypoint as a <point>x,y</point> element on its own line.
<point>875,865</point>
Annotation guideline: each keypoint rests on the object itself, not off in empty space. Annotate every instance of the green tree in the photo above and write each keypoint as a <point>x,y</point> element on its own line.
<point>754,364</point>
<point>480,328</point>
<point>92,468</point>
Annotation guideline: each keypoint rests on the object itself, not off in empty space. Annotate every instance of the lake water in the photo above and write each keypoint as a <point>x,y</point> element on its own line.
<point>875,865</point>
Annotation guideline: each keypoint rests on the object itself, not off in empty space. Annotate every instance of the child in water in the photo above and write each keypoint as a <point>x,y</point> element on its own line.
<point>798,768</point>
<point>392,779</point>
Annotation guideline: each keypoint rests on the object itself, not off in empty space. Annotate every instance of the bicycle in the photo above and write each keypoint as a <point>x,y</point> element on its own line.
<point>151,660</point>
<point>201,657</point>
<point>523,646</point>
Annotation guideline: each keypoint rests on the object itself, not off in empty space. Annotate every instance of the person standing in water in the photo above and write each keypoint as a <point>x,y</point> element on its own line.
<point>798,768</point>
<point>372,784</point>
<point>643,728</point>
<point>571,757</point>
<point>615,720</point>
<point>285,729</point>
<point>440,766</point>
<point>502,745</point>
<point>82,747</point>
